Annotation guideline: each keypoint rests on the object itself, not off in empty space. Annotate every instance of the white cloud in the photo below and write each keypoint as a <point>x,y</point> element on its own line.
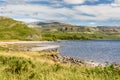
<point>92,23</point>
<point>78,1</point>
<point>117,1</point>
<point>15,1</point>
<point>101,12</point>
<point>74,1</point>
<point>93,0</point>
<point>37,11</point>
<point>27,20</point>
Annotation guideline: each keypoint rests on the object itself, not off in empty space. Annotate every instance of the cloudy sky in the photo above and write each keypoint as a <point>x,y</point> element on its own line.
<point>82,12</point>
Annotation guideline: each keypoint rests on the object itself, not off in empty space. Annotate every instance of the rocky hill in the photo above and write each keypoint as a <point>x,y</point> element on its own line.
<point>50,23</point>
<point>15,30</point>
<point>61,26</point>
<point>53,30</point>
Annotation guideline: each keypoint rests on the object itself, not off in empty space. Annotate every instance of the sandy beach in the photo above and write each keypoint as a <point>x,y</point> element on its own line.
<point>33,48</point>
<point>23,42</point>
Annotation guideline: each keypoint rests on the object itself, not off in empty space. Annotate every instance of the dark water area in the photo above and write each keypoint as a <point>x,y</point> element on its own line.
<point>97,50</point>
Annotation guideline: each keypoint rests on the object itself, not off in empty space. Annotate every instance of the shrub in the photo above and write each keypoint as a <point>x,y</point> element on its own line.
<point>16,65</point>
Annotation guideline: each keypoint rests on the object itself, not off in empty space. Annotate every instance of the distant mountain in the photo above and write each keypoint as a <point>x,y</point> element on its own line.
<point>15,30</point>
<point>50,23</point>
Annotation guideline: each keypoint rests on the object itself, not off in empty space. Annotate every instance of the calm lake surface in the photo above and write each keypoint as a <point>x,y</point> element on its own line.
<point>97,50</point>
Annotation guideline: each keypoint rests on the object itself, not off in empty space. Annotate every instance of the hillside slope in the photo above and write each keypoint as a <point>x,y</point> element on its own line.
<point>62,26</point>
<point>54,30</point>
<point>15,30</point>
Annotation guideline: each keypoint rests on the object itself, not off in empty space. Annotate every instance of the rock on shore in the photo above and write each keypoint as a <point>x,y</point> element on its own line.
<point>70,60</point>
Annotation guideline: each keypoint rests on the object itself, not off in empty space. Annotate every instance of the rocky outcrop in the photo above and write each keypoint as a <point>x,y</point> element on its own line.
<point>91,29</point>
<point>33,36</point>
<point>2,18</point>
<point>109,29</point>
<point>71,60</point>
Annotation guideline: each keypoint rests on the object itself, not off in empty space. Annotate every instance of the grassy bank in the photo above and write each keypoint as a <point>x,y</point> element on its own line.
<point>53,36</point>
<point>25,65</point>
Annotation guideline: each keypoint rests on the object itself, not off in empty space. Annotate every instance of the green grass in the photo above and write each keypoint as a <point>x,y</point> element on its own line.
<point>15,30</point>
<point>28,68</point>
<point>3,48</point>
<point>13,68</point>
<point>53,36</point>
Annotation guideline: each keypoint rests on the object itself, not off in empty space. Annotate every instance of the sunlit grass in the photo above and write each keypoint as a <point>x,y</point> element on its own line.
<point>17,65</point>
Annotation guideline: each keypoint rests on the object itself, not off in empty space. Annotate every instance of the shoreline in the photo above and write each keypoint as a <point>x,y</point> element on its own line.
<point>50,48</point>
<point>88,63</point>
<point>21,42</point>
<point>70,60</point>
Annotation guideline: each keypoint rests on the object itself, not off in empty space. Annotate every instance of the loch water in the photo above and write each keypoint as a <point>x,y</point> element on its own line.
<point>97,50</point>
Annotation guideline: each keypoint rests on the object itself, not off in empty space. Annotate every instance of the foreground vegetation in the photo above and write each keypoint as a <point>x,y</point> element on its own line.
<point>19,65</point>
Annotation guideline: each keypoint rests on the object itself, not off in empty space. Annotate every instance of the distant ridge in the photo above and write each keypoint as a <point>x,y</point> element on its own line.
<point>62,26</point>
<point>50,23</point>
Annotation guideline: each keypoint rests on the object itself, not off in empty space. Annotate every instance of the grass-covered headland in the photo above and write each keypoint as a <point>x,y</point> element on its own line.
<point>26,65</point>
<point>15,30</point>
